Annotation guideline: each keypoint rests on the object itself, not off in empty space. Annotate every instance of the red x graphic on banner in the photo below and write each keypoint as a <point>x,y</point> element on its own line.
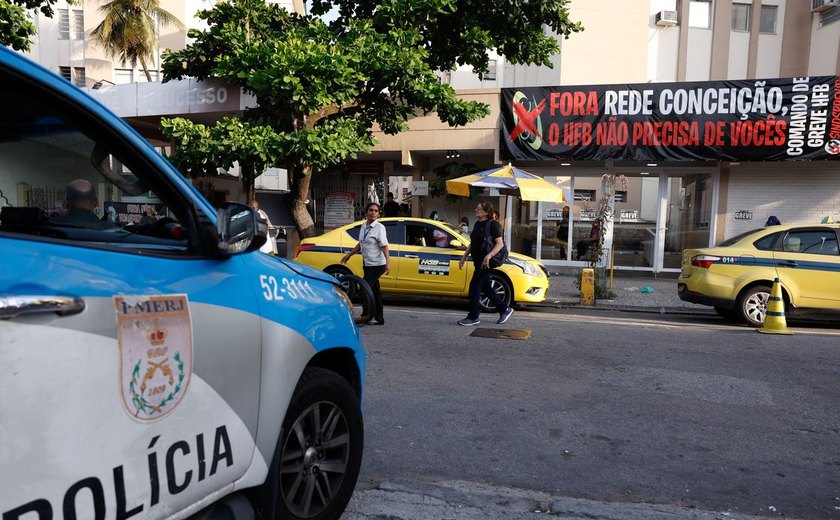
<point>526,119</point>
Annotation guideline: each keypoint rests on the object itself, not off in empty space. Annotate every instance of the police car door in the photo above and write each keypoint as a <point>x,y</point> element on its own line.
<point>129,354</point>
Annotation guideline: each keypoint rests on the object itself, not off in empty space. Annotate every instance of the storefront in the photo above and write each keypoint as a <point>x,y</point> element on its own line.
<point>688,163</point>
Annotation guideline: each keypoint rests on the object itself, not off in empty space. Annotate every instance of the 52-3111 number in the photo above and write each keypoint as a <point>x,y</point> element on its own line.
<point>295,288</point>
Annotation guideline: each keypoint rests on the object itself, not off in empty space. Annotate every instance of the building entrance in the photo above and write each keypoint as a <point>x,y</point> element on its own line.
<point>655,215</point>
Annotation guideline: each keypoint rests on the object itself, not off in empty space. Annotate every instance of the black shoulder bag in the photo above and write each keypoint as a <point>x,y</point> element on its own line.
<point>500,257</point>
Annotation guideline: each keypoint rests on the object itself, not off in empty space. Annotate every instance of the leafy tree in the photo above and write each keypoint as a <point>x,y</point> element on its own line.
<point>128,31</point>
<point>320,87</point>
<point>16,26</point>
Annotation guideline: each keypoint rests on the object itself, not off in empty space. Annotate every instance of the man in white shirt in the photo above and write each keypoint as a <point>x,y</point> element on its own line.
<point>270,245</point>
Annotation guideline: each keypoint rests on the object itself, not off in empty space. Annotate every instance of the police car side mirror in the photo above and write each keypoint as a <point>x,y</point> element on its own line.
<point>239,228</point>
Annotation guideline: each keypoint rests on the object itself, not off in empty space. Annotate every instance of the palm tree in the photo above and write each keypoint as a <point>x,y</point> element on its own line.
<point>128,30</point>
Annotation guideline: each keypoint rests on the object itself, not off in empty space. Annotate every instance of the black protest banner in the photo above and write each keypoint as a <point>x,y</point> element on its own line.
<point>786,119</point>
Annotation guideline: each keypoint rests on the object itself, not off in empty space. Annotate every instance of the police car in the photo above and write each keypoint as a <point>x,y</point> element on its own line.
<point>153,363</point>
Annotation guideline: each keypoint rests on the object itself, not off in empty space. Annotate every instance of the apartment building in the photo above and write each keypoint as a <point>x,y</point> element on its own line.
<point>668,204</point>
<point>661,206</point>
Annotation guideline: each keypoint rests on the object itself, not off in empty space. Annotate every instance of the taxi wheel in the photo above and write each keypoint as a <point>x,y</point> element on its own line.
<point>323,435</point>
<point>338,273</point>
<point>502,289</point>
<point>752,305</point>
<point>360,288</point>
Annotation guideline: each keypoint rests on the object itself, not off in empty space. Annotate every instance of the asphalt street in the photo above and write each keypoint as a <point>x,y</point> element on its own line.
<point>597,415</point>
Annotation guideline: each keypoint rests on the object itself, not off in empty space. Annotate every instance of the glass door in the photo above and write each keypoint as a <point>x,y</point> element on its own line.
<point>688,215</point>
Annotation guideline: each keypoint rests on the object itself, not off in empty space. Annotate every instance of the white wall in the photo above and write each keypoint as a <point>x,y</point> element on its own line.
<point>739,49</point>
<point>699,62</point>
<point>663,44</point>
<point>794,192</point>
<point>769,58</point>
<point>825,44</point>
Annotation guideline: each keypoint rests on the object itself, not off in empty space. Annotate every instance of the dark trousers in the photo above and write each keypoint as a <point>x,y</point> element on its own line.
<point>372,274</point>
<point>479,283</point>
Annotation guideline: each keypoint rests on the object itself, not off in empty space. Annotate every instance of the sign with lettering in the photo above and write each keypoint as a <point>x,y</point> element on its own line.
<point>420,188</point>
<point>338,209</point>
<point>743,214</point>
<point>781,119</point>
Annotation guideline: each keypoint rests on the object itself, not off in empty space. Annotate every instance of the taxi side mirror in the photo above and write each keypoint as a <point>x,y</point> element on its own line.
<point>457,244</point>
<point>240,229</point>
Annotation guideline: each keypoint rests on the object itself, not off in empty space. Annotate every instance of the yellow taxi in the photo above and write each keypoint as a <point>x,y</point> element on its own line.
<point>736,276</point>
<point>419,266</point>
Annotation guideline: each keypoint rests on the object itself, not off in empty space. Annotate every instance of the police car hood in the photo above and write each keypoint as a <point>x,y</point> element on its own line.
<point>305,270</point>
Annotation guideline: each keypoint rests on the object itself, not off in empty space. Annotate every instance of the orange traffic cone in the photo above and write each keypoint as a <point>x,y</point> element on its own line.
<point>774,320</point>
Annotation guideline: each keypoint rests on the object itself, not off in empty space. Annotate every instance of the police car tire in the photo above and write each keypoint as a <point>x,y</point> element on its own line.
<point>335,400</point>
<point>503,289</point>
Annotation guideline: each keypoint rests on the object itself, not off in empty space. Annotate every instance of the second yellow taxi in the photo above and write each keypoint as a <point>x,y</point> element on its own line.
<point>419,266</point>
<point>736,277</point>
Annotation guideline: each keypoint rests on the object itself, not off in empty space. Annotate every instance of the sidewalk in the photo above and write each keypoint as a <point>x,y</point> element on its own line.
<point>629,295</point>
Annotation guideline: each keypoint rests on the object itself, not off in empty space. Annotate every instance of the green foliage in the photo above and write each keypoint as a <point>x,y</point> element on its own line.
<point>128,30</point>
<point>16,26</point>
<point>321,87</point>
<point>602,289</point>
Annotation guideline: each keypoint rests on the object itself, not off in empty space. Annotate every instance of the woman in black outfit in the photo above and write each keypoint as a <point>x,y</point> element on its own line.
<point>481,259</point>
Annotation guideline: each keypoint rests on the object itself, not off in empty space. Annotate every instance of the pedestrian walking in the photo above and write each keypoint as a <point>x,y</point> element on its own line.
<point>373,244</point>
<point>483,260</point>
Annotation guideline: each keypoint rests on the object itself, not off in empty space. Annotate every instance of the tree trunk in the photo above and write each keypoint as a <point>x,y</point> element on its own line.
<point>145,69</point>
<point>303,220</point>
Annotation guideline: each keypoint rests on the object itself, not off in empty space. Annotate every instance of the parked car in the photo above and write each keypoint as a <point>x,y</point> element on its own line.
<point>736,277</point>
<point>420,267</point>
<point>156,369</point>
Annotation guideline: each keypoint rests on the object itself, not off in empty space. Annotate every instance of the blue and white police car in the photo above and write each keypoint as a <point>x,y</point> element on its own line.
<point>153,363</point>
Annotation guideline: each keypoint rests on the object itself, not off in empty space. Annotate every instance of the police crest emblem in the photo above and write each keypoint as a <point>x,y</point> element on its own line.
<point>155,337</point>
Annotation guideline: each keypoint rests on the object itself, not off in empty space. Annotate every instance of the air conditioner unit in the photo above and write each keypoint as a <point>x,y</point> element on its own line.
<point>823,5</point>
<point>666,18</point>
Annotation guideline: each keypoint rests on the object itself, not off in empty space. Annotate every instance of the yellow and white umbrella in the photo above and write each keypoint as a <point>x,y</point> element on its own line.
<point>509,180</point>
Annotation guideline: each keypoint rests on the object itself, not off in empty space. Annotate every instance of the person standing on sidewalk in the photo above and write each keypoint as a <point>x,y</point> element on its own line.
<point>481,260</point>
<point>376,261</point>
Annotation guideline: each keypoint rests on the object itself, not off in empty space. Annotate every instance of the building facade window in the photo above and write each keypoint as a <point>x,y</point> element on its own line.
<point>66,73</point>
<point>123,76</point>
<point>63,24</point>
<point>78,25</point>
<point>700,14</point>
<point>71,24</point>
<point>741,17</point>
<point>491,71</point>
<point>79,78</point>
<point>829,16</point>
<point>768,19</point>
<point>585,195</point>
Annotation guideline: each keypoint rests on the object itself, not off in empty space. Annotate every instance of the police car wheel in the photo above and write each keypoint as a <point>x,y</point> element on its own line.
<point>321,448</point>
<point>502,289</point>
<point>752,305</point>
